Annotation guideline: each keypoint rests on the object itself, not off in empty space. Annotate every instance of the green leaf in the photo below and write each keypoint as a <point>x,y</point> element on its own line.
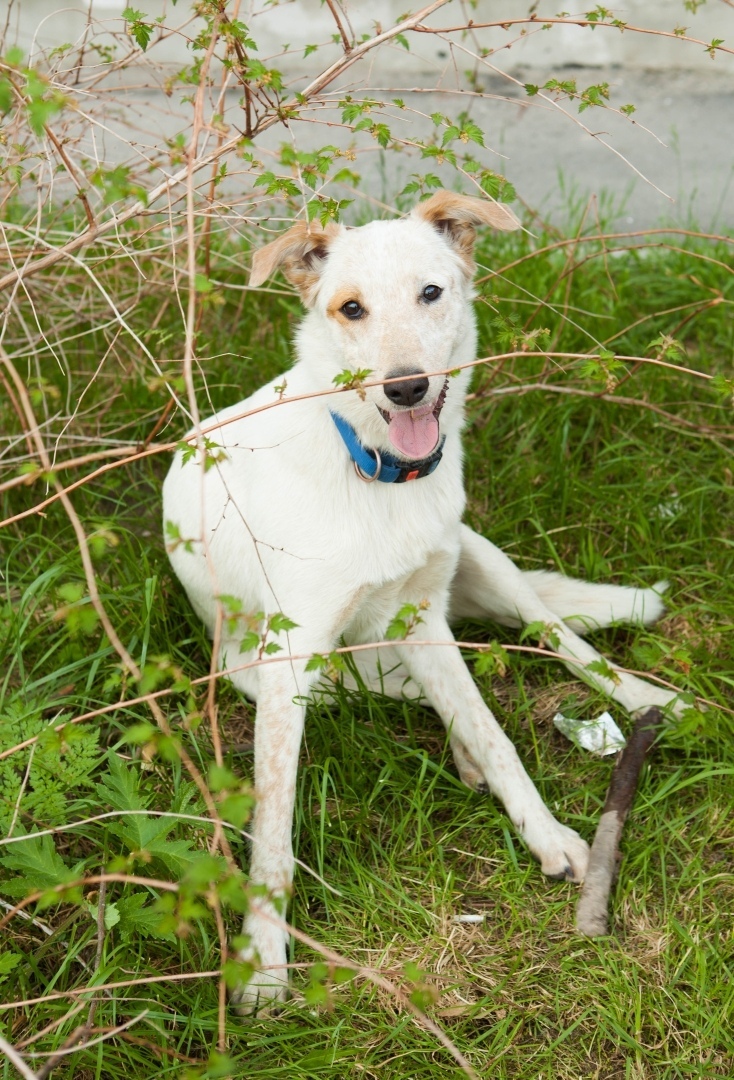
<point>492,659</point>
<point>143,837</point>
<point>111,914</point>
<point>237,973</point>
<point>8,961</point>
<point>601,667</point>
<point>667,348</point>
<point>542,632</point>
<point>220,1066</point>
<point>141,733</point>
<point>317,994</point>
<point>724,387</point>
<point>120,788</point>
<point>346,176</point>
<point>116,184</point>
<point>237,807</point>
<point>440,154</point>
<point>42,110</point>
<point>204,871</point>
<point>220,777</point>
<point>60,766</point>
<point>138,918</point>
<point>140,31</point>
<point>71,591</point>
<point>6,95</point>
<point>235,30</point>
<point>263,76</point>
<point>497,186</point>
<point>38,864</point>
<point>278,622</point>
<point>605,368</point>
<point>277,185</point>
<point>351,380</point>
<point>250,640</point>
<point>404,622</point>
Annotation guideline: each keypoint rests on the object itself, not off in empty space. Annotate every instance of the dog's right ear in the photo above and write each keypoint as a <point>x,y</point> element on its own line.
<point>300,253</point>
<point>457,217</point>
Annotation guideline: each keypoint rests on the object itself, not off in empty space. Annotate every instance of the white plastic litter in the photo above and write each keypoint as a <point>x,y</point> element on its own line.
<point>468,919</point>
<point>600,736</point>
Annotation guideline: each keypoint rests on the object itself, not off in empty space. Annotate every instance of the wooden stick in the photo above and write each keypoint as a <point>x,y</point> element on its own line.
<point>592,910</point>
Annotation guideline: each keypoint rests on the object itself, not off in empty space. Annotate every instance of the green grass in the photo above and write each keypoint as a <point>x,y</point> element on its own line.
<point>589,486</point>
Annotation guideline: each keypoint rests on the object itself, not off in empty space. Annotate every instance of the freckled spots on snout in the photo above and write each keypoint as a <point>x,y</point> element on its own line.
<point>337,302</point>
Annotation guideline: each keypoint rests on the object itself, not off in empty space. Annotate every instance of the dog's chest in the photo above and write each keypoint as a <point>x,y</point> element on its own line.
<point>373,607</point>
<point>402,550</point>
<point>387,532</point>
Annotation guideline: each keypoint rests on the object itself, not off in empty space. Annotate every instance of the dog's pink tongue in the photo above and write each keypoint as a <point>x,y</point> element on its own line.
<point>414,436</point>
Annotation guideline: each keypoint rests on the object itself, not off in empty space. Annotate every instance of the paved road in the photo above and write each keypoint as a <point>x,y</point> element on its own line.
<point>681,174</point>
<point>692,114</point>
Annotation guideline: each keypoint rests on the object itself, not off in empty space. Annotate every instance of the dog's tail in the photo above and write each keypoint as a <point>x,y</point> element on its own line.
<point>584,606</point>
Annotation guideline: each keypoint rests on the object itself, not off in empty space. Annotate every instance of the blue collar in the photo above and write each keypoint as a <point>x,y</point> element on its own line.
<point>377,465</point>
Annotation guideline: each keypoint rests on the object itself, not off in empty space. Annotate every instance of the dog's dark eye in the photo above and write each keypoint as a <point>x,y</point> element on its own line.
<point>352,309</point>
<point>431,293</point>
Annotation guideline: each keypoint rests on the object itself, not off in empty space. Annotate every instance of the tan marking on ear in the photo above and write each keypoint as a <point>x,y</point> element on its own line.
<point>298,251</point>
<point>340,297</point>
<point>457,217</point>
<point>466,209</point>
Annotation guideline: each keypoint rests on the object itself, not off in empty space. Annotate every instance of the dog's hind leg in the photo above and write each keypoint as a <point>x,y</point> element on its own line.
<point>489,585</point>
<point>485,588</point>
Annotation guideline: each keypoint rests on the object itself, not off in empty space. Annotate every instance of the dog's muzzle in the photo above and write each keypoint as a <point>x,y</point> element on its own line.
<point>414,431</point>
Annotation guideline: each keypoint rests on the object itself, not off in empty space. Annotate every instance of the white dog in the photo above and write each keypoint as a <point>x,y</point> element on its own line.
<point>337,510</point>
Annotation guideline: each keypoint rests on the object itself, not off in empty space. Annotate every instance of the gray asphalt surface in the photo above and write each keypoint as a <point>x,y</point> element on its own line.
<point>680,171</point>
<point>693,116</point>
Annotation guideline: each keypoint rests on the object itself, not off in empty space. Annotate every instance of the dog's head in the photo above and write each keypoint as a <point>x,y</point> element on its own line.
<point>392,298</point>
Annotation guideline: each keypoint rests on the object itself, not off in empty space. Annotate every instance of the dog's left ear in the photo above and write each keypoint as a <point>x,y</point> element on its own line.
<point>300,252</point>
<point>458,216</point>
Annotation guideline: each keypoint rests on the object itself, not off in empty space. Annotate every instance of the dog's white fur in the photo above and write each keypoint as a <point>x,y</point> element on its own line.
<point>284,524</point>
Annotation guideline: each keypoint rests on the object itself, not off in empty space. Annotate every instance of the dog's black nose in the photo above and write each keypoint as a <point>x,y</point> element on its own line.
<point>408,392</point>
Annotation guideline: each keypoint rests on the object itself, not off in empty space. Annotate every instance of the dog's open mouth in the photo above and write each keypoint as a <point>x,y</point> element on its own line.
<point>414,432</point>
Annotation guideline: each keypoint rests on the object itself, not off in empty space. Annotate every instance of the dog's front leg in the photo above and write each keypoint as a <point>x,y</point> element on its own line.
<point>278,730</point>
<point>450,688</point>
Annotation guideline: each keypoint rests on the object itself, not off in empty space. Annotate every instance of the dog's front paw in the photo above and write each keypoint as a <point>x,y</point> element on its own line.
<point>267,987</point>
<point>561,852</point>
